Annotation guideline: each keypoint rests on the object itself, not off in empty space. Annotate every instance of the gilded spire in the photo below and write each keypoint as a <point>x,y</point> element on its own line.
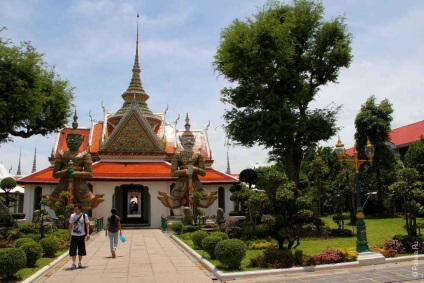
<point>34,163</point>
<point>135,94</point>
<point>18,172</point>
<point>135,90</point>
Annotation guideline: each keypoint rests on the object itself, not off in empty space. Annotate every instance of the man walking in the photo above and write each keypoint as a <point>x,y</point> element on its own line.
<point>76,229</point>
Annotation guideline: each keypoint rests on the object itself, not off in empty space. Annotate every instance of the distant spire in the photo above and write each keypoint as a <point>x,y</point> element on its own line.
<point>34,163</point>
<point>19,165</point>
<point>10,170</point>
<point>228,165</point>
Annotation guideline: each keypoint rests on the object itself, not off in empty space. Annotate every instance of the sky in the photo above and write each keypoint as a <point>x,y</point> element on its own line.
<point>92,44</point>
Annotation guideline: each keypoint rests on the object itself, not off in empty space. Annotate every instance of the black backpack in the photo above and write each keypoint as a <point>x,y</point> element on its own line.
<point>85,227</point>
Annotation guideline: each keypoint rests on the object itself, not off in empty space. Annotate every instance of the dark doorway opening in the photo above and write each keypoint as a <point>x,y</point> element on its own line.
<point>133,204</point>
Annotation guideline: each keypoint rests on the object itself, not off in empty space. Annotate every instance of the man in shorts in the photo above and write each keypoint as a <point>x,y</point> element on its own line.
<point>77,233</point>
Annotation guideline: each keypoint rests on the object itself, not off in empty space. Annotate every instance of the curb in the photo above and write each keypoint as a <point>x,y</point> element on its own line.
<point>46,268</point>
<point>40,273</point>
<point>234,275</point>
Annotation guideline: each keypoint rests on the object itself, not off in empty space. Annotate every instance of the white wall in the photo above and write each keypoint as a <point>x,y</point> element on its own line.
<point>157,209</point>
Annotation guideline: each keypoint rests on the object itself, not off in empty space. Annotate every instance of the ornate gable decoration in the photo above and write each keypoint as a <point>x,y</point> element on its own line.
<point>133,134</point>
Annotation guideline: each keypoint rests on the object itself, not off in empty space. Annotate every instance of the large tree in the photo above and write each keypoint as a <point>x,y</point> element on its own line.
<point>414,157</point>
<point>33,98</point>
<point>373,123</point>
<point>277,63</point>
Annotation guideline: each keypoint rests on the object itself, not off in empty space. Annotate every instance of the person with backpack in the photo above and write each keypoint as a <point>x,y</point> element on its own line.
<point>112,228</point>
<point>77,233</point>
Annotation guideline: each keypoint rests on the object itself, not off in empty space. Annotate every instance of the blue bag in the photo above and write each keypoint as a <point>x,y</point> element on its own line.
<point>123,239</point>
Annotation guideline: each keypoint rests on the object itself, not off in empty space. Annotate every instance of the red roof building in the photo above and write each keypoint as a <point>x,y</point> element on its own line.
<point>131,152</point>
<point>400,138</point>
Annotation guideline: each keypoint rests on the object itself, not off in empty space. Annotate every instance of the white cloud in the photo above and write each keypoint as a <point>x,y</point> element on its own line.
<point>92,43</point>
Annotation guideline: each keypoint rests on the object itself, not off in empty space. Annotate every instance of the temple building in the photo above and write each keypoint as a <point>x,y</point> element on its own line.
<point>131,151</point>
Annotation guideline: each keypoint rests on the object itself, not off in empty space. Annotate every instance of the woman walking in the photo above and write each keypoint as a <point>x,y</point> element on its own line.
<point>112,228</point>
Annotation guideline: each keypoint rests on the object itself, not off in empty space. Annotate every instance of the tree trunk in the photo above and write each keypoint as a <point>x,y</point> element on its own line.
<point>379,194</point>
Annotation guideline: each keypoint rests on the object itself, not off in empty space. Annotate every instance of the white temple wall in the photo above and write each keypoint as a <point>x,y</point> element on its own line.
<point>157,209</point>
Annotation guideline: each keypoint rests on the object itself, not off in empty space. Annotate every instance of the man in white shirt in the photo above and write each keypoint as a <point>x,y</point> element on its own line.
<point>77,233</point>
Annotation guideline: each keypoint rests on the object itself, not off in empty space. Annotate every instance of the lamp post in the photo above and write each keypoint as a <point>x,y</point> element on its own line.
<point>361,235</point>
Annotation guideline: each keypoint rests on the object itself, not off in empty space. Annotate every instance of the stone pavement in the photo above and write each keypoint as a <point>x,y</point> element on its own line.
<point>149,255</point>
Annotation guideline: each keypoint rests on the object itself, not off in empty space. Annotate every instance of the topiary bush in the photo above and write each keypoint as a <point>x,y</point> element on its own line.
<point>18,215</point>
<point>50,246</point>
<point>411,243</point>
<point>29,228</point>
<point>230,252</point>
<point>209,243</point>
<point>276,258</point>
<point>298,257</point>
<point>35,237</point>
<point>394,245</point>
<point>329,256</point>
<point>177,227</point>
<point>21,241</point>
<point>189,228</point>
<point>11,261</point>
<point>197,238</point>
<point>262,230</point>
<point>33,252</point>
<point>222,235</point>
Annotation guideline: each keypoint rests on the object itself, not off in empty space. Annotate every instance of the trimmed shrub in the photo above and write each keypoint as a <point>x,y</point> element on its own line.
<point>276,258</point>
<point>349,255</point>
<point>222,235</point>
<point>21,241</point>
<point>29,228</point>
<point>262,244</point>
<point>197,238</point>
<point>177,227</point>
<point>11,261</point>
<point>35,237</point>
<point>411,243</point>
<point>18,215</point>
<point>50,246</point>
<point>394,245</point>
<point>258,261</point>
<point>12,234</point>
<point>329,256</point>
<point>209,243</point>
<point>33,252</point>
<point>230,252</point>
<point>298,257</point>
<point>189,228</point>
<point>262,230</point>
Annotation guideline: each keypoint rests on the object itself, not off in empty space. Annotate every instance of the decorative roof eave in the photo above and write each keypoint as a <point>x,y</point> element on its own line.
<point>134,110</point>
<point>132,156</point>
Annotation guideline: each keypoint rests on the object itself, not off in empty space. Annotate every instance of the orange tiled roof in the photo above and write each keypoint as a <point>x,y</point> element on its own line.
<point>97,135</point>
<point>129,171</point>
<point>62,139</point>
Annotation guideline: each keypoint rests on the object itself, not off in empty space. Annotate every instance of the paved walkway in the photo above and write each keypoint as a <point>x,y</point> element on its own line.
<point>148,256</point>
<point>151,256</point>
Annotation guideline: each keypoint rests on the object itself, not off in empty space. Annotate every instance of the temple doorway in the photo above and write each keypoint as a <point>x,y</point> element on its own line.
<point>133,204</point>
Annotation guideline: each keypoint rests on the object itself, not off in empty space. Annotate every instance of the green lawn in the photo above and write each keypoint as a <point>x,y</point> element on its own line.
<point>378,230</point>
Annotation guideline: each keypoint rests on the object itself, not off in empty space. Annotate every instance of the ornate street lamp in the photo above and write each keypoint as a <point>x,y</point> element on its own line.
<point>361,235</point>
